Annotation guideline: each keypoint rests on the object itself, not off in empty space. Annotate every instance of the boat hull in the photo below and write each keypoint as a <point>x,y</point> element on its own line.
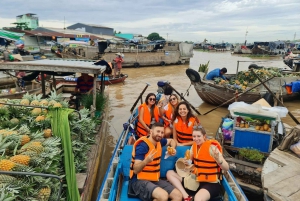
<point>218,94</point>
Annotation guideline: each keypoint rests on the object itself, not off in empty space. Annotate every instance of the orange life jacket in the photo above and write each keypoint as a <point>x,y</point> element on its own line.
<point>168,114</point>
<point>151,171</point>
<point>184,132</point>
<point>140,130</point>
<point>206,168</point>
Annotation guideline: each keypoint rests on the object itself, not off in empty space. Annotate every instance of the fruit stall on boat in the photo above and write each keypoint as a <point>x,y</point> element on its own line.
<point>45,145</point>
<point>115,182</point>
<point>248,135</point>
<point>218,91</point>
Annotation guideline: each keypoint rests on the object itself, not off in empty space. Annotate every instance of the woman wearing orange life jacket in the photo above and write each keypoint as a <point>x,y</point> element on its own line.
<point>208,162</point>
<point>147,112</point>
<point>183,122</point>
<point>167,113</point>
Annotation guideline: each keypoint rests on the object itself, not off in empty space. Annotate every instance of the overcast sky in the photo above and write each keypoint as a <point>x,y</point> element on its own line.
<point>192,20</point>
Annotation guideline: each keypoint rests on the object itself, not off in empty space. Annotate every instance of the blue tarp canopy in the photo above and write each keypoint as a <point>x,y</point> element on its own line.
<point>8,35</point>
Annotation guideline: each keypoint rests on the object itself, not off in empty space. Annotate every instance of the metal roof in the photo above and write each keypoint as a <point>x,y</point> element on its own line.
<point>95,25</point>
<point>55,65</point>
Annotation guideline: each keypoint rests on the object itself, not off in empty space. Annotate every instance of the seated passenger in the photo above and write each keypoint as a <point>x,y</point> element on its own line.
<point>148,114</point>
<point>145,179</point>
<point>216,73</point>
<point>167,113</point>
<point>183,122</point>
<point>208,162</point>
<point>85,84</point>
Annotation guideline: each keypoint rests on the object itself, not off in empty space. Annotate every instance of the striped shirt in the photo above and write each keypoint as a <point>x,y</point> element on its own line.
<point>85,86</point>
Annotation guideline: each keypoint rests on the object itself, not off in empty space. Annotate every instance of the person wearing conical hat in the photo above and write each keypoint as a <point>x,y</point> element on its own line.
<point>118,64</point>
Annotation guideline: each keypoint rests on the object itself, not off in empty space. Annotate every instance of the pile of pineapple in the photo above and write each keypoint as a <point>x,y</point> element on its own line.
<point>243,78</point>
<point>27,144</point>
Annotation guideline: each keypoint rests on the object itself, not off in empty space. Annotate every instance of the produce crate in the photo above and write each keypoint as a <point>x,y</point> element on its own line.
<point>251,138</point>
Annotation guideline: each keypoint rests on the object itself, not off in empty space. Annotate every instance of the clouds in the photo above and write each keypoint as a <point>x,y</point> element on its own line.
<point>195,20</point>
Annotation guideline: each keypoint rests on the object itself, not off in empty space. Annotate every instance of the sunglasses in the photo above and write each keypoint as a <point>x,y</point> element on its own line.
<point>172,99</point>
<point>197,127</point>
<point>151,99</point>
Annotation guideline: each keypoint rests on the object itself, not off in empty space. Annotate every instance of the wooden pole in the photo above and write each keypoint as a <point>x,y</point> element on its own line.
<point>274,96</point>
<point>237,96</point>
<point>185,100</point>
<point>237,68</point>
<point>140,97</point>
<point>43,85</point>
<point>102,83</point>
<point>94,94</point>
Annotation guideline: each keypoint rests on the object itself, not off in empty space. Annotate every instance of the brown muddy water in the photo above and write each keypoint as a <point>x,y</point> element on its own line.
<point>122,96</point>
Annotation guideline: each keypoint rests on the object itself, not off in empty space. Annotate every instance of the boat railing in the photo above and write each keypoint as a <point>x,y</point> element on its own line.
<point>109,179</point>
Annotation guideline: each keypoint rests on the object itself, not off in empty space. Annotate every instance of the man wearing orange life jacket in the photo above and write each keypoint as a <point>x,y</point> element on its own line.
<point>183,122</point>
<point>147,112</point>
<point>145,167</point>
<point>208,162</point>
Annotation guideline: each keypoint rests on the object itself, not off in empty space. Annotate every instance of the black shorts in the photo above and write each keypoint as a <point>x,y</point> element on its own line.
<point>214,189</point>
<point>144,189</point>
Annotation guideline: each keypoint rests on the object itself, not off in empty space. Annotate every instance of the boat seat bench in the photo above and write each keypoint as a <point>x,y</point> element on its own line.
<point>166,164</point>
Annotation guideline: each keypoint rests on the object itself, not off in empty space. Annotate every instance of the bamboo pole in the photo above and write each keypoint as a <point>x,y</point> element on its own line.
<point>274,96</point>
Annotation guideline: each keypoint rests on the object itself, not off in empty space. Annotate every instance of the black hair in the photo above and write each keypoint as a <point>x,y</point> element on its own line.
<point>152,107</point>
<point>224,70</point>
<point>168,90</point>
<point>157,124</point>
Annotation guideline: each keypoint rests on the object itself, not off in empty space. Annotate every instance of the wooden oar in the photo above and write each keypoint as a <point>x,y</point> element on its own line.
<point>140,96</point>
<point>185,100</point>
<point>237,96</point>
<point>274,96</point>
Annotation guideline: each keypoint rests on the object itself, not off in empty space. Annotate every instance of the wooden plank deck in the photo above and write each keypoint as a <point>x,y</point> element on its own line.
<point>281,176</point>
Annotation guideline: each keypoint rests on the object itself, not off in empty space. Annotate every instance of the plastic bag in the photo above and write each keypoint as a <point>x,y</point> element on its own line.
<point>296,148</point>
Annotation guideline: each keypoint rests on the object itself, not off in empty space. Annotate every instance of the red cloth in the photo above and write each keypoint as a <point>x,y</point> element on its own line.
<point>85,86</point>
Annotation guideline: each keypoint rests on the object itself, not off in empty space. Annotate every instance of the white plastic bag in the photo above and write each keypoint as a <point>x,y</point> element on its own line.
<point>296,148</point>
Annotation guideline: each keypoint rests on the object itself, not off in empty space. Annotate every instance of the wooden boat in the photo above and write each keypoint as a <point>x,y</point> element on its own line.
<point>108,80</point>
<point>157,54</point>
<point>116,179</point>
<point>247,172</point>
<point>280,173</point>
<point>216,94</point>
<point>11,91</point>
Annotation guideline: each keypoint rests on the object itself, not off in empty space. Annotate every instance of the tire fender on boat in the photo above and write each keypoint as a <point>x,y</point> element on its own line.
<point>254,66</point>
<point>269,98</point>
<point>193,75</point>
<point>136,64</point>
<point>162,63</point>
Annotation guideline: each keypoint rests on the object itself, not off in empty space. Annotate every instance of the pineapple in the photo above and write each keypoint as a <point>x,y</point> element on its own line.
<point>36,111</point>
<point>32,146</point>
<point>35,102</point>
<point>57,105</point>
<point>44,193</point>
<point>6,165</point>
<point>52,102</point>
<point>47,133</point>
<point>28,97</point>
<point>40,118</point>
<point>24,102</point>
<point>14,121</point>
<point>21,159</point>
<point>24,130</point>
<point>44,102</point>
<point>6,178</point>
<point>25,139</point>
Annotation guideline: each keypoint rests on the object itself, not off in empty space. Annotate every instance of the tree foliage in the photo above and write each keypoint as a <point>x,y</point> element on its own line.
<point>154,36</point>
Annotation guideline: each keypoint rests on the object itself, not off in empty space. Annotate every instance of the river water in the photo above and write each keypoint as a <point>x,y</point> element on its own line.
<point>122,96</point>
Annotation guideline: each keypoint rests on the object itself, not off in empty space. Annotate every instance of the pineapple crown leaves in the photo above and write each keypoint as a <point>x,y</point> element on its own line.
<point>52,142</point>
<point>24,130</point>
<point>37,97</point>
<point>55,96</point>
<point>28,96</point>
<point>8,193</point>
<point>4,144</point>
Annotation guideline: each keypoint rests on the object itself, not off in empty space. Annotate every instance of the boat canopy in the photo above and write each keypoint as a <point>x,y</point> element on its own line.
<point>272,45</point>
<point>8,35</point>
